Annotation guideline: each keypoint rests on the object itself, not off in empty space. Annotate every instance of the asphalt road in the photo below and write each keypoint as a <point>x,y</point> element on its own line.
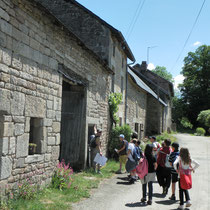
<point>116,194</point>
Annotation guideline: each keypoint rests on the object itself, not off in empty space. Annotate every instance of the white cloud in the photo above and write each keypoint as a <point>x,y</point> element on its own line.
<point>151,66</point>
<point>197,43</point>
<point>178,80</point>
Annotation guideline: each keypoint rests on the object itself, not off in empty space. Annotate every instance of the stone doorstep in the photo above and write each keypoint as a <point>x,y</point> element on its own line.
<point>34,158</point>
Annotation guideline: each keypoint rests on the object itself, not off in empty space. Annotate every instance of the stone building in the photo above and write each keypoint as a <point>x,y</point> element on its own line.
<point>138,114</point>
<point>159,116</point>
<point>100,37</point>
<point>51,88</point>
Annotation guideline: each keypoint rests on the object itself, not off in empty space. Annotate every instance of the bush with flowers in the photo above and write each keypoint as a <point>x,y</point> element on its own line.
<point>62,178</point>
<point>26,190</point>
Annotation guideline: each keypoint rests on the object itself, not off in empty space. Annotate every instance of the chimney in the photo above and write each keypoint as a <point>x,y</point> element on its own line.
<point>143,66</point>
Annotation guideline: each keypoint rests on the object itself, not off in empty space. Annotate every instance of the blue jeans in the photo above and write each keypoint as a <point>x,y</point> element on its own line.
<point>144,189</point>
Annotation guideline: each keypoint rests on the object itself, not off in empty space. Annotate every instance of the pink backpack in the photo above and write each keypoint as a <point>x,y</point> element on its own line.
<point>142,167</point>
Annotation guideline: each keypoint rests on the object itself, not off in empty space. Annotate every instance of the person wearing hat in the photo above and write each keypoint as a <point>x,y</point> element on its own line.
<point>95,145</point>
<point>174,175</point>
<point>122,152</point>
<point>156,146</point>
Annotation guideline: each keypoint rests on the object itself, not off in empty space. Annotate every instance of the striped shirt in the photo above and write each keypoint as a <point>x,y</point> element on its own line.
<point>172,159</point>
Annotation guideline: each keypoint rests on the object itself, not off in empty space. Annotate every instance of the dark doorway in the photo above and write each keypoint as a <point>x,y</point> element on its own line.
<point>90,132</point>
<point>73,125</point>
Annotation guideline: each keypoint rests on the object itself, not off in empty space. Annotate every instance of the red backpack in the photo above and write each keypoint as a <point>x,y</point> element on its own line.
<point>142,167</point>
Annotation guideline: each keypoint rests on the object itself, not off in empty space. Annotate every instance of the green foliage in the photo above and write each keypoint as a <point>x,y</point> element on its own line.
<point>114,100</point>
<point>63,176</point>
<point>53,198</point>
<point>179,109</point>
<point>186,123</point>
<point>204,117</point>
<point>195,90</point>
<point>26,190</point>
<point>161,71</point>
<point>114,138</point>
<point>164,136</point>
<point>200,131</point>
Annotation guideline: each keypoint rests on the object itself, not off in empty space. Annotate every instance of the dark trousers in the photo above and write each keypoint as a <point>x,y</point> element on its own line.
<point>144,189</point>
<point>181,195</point>
<point>163,176</point>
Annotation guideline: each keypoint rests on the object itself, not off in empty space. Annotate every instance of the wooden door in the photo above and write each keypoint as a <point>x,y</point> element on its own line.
<point>71,125</point>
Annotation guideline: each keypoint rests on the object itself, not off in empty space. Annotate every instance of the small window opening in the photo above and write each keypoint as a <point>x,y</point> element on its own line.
<point>137,127</point>
<point>113,50</point>
<point>120,124</point>
<point>122,84</point>
<point>36,136</point>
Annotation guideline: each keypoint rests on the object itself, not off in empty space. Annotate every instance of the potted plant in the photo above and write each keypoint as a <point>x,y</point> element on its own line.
<point>32,148</point>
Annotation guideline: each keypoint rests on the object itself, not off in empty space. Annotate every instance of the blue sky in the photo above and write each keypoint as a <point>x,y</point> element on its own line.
<point>162,23</point>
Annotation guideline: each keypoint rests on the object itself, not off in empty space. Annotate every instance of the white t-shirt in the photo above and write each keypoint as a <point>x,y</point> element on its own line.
<point>131,147</point>
<point>185,166</point>
<point>156,147</point>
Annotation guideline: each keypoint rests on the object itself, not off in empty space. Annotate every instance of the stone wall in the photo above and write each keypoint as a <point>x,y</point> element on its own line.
<point>136,108</point>
<point>32,44</point>
<point>118,62</point>
<point>88,28</point>
<point>155,117</point>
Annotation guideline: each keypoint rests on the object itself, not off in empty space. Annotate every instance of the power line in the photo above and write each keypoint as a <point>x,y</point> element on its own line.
<point>135,20</point>
<point>196,20</point>
<point>131,23</point>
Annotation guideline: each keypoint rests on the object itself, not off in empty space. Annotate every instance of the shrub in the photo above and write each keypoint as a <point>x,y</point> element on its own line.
<point>204,117</point>
<point>63,176</point>
<point>186,123</point>
<point>26,190</point>
<point>114,141</point>
<point>164,136</point>
<point>200,131</point>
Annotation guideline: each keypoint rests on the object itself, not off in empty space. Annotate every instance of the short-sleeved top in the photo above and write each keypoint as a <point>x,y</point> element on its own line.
<point>123,143</point>
<point>98,143</point>
<point>173,156</point>
<point>131,147</point>
<point>151,160</point>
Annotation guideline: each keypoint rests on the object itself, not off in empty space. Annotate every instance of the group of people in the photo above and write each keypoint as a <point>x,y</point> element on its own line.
<point>166,162</point>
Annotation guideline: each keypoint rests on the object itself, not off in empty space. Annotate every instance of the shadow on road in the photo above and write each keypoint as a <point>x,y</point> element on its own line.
<point>158,195</point>
<point>166,202</point>
<point>124,183</point>
<point>123,178</point>
<point>137,204</point>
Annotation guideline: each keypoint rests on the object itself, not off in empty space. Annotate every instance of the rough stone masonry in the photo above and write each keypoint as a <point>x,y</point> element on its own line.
<point>32,45</point>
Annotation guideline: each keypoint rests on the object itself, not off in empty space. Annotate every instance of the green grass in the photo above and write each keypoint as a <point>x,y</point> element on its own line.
<point>50,198</point>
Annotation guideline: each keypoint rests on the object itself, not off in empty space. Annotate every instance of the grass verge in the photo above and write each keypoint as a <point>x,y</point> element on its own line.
<point>50,198</point>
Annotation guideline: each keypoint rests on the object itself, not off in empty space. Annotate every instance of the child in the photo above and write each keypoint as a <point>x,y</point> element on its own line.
<point>174,174</point>
<point>122,152</point>
<point>164,173</point>
<point>184,161</point>
<point>155,144</point>
<point>150,177</point>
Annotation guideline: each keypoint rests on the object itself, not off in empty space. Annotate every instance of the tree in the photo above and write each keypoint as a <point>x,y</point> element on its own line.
<point>195,90</point>
<point>161,71</point>
<point>204,118</point>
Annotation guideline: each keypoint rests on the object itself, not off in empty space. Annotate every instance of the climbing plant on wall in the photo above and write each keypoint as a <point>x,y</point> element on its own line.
<point>115,99</point>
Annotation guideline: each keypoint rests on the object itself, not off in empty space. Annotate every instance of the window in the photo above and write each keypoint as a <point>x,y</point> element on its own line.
<point>122,62</point>
<point>137,127</point>
<point>114,50</point>
<point>137,110</point>
<point>122,84</point>
<point>113,81</point>
<point>120,124</point>
<point>36,136</point>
